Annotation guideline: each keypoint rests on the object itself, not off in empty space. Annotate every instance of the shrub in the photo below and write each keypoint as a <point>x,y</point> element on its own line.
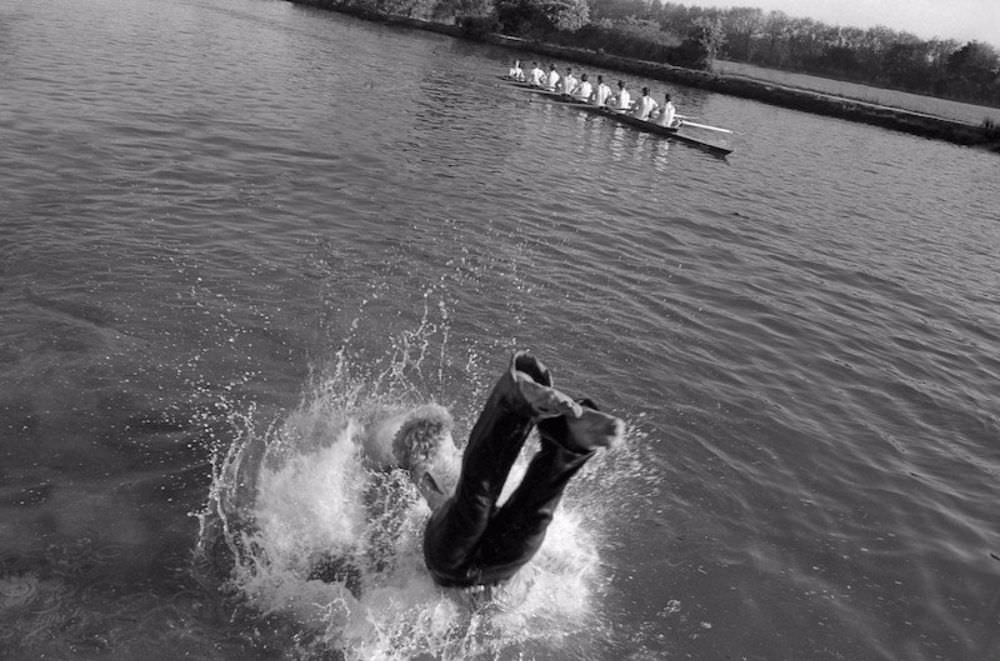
<point>478,26</point>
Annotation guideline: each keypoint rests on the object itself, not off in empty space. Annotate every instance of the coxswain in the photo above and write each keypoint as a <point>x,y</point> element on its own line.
<point>646,105</point>
<point>668,114</point>
<point>599,97</point>
<point>516,72</point>
<point>583,90</point>
<point>552,79</point>
<point>537,75</point>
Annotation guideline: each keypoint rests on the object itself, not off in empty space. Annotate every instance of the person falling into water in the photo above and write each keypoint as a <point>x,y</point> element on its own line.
<point>469,540</point>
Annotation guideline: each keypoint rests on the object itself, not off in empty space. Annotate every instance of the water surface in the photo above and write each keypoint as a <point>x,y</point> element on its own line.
<point>227,226</point>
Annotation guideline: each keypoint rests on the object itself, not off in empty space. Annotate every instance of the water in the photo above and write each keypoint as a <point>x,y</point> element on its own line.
<point>232,231</point>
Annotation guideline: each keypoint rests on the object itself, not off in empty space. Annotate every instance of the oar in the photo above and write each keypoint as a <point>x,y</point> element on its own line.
<point>705,126</point>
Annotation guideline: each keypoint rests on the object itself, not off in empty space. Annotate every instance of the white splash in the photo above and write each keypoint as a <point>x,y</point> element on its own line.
<point>288,497</point>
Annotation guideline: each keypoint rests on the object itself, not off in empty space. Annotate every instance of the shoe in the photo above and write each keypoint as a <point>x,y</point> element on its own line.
<point>586,432</point>
<point>533,382</point>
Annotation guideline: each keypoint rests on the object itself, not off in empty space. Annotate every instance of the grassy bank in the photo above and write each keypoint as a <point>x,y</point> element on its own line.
<point>935,106</point>
<point>897,119</point>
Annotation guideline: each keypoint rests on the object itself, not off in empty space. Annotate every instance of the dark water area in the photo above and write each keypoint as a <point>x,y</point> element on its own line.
<point>232,229</point>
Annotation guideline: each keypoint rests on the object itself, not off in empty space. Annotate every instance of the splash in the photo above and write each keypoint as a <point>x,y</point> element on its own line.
<point>311,533</point>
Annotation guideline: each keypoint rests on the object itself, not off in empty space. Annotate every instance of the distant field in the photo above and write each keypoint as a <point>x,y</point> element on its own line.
<point>962,112</point>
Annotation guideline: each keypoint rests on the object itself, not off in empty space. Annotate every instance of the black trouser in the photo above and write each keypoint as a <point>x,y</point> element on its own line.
<point>469,540</point>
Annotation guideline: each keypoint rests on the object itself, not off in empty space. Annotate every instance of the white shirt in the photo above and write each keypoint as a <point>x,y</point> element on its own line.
<point>624,100</point>
<point>668,114</point>
<point>552,80</point>
<point>517,73</point>
<point>646,106</point>
<point>583,91</point>
<point>537,76</point>
<point>569,84</point>
<point>602,94</point>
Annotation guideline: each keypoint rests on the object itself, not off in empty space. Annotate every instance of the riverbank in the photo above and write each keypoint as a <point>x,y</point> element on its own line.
<point>958,111</point>
<point>893,118</point>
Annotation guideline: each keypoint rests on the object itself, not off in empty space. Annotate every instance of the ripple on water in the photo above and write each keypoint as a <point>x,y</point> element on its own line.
<point>17,591</point>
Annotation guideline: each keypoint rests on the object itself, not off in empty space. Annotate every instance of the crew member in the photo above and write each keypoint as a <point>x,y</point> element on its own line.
<point>601,94</point>
<point>646,105</point>
<point>583,90</point>
<point>622,100</point>
<point>668,113</point>
<point>569,82</point>
<point>552,79</point>
<point>516,72</point>
<point>537,75</point>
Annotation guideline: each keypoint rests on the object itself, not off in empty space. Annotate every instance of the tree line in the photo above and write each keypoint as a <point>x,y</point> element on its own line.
<point>876,56</point>
<point>691,36</point>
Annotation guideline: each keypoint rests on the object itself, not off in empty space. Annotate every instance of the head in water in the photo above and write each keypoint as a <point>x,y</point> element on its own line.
<point>425,447</point>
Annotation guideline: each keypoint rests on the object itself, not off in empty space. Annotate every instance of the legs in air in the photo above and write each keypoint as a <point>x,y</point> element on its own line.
<point>469,540</point>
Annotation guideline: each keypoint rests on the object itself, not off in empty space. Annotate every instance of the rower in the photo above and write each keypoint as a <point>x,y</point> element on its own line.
<point>622,100</point>
<point>516,72</point>
<point>646,105</point>
<point>569,82</point>
<point>583,90</point>
<point>601,93</point>
<point>537,75</point>
<point>552,79</point>
<point>668,114</point>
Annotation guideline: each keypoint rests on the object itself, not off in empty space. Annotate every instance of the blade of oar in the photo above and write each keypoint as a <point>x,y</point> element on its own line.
<point>706,127</point>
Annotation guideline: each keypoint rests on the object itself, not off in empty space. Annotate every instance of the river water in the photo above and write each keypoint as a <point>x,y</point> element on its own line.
<point>233,230</point>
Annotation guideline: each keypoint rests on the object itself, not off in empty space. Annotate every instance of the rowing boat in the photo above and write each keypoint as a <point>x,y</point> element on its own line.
<point>672,132</point>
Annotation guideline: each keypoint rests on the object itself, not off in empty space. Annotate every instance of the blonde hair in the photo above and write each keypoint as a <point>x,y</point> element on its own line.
<point>421,436</point>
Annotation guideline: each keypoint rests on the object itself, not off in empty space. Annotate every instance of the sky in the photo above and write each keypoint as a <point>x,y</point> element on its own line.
<point>962,20</point>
